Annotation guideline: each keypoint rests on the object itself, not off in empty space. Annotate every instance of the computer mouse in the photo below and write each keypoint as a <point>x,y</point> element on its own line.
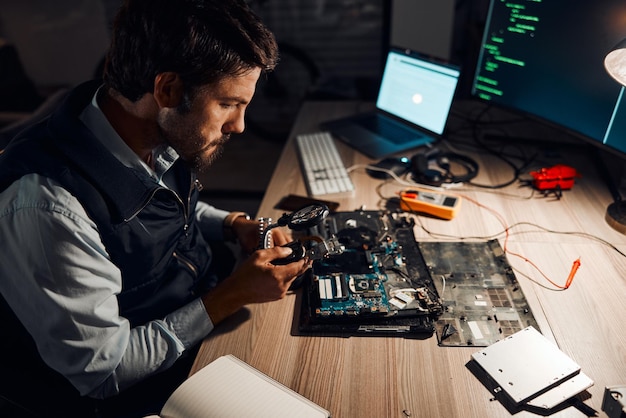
<point>397,165</point>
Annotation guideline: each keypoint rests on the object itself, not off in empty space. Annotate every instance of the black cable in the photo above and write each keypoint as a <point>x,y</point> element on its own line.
<point>475,127</point>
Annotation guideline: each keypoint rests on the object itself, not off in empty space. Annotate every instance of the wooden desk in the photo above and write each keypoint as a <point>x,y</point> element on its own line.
<point>383,377</point>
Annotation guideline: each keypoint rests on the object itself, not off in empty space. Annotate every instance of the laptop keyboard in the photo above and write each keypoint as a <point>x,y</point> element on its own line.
<point>323,169</point>
<point>392,131</point>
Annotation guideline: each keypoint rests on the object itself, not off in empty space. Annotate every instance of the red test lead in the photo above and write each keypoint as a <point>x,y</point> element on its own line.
<point>572,272</point>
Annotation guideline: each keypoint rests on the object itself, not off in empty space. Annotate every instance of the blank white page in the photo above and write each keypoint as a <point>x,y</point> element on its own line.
<point>229,387</point>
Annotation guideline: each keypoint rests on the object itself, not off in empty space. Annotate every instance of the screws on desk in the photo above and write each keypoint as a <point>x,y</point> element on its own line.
<point>406,413</point>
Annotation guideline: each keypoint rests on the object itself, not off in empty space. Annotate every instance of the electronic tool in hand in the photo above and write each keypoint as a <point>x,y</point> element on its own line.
<point>434,203</point>
<point>297,254</point>
<point>320,249</point>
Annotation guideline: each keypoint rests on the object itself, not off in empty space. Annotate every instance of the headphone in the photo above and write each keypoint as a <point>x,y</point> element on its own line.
<point>422,171</point>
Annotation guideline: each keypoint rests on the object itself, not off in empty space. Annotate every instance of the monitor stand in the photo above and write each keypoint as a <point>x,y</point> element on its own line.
<point>616,216</point>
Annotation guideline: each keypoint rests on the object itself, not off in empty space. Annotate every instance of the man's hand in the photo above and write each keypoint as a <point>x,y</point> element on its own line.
<point>248,234</point>
<point>256,280</point>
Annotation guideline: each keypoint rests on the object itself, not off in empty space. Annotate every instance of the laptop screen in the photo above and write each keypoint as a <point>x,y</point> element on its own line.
<point>418,90</point>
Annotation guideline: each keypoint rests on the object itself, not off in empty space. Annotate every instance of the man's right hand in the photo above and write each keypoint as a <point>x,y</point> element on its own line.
<point>256,280</point>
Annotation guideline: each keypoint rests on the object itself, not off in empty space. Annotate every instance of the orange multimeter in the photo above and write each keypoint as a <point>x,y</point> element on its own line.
<point>441,205</point>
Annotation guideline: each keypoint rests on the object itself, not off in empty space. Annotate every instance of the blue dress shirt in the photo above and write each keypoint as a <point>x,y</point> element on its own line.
<point>60,281</point>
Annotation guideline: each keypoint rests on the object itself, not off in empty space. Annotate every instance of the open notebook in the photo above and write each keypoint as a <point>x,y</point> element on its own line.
<point>231,388</point>
<point>412,107</point>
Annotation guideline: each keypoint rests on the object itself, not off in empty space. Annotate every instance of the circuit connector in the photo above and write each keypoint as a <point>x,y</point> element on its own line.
<point>325,248</point>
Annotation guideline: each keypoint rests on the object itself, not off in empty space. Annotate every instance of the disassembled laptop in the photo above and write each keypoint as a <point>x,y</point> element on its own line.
<point>371,277</point>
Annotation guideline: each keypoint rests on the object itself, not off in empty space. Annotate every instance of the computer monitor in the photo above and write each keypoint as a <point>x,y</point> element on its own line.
<point>546,59</point>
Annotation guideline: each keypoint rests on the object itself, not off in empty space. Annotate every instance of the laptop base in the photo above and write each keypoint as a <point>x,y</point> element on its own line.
<point>375,144</point>
<point>378,286</point>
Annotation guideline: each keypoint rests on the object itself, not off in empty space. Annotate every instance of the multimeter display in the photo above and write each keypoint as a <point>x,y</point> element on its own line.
<point>438,204</point>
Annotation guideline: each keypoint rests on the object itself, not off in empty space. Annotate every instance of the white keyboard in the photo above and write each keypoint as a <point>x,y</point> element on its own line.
<point>324,172</point>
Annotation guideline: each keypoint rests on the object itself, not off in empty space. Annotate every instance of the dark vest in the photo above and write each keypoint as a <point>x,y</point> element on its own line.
<point>149,231</point>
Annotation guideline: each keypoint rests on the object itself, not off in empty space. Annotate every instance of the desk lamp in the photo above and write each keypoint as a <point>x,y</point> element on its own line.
<point>615,65</point>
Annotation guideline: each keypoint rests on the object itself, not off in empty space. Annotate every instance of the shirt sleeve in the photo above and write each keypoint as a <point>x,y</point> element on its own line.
<point>211,220</point>
<point>62,285</point>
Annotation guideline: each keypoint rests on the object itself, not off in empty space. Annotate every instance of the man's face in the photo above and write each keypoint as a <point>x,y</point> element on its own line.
<point>199,128</point>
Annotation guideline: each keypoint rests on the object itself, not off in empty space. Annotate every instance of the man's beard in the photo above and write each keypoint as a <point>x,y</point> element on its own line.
<point>195,159</point>
<point>182,135</point>
<point>199,163</point>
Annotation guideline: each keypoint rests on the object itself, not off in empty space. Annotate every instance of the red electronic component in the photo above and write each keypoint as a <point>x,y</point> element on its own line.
<point>558,177</point>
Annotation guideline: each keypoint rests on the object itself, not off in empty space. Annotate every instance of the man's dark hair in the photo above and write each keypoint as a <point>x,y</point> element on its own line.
<point>201,40</point>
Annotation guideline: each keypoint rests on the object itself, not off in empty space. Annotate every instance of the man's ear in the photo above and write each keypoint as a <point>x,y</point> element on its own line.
<point>168,89</point>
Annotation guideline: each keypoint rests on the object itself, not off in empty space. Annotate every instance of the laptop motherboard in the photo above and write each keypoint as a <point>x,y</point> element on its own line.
<point>386,283</point>
<point>379,284</point>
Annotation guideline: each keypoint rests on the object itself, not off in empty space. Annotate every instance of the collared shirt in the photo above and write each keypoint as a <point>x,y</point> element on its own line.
<point>61,283</point>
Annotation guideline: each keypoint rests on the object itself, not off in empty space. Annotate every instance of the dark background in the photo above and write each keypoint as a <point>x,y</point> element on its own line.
<point>61,43</point>
<point>330,50</point>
